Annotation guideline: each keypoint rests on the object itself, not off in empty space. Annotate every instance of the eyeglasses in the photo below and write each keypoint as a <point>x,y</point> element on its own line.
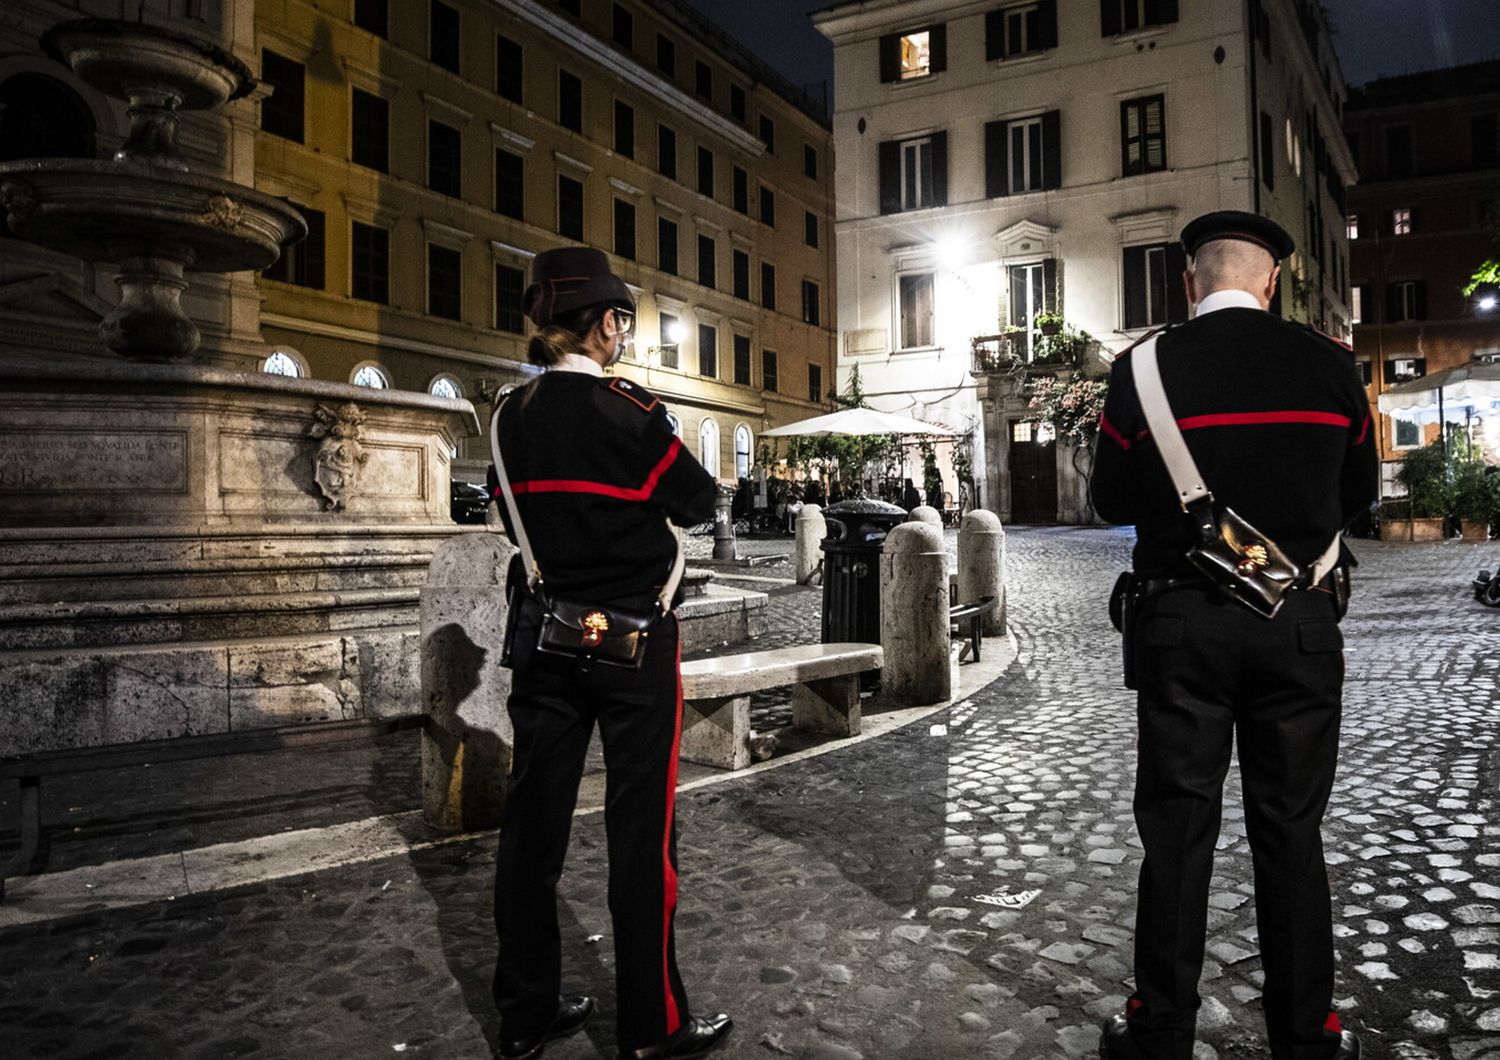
<point>624,320</point>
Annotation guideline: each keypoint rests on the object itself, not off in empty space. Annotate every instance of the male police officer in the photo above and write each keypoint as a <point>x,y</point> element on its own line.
<point>1275,417</point>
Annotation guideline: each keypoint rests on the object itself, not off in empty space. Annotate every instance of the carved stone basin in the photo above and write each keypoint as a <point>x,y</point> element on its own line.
<point>118,57</point>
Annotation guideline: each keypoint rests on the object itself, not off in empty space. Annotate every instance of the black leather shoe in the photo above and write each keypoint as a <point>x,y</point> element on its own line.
<point>572,1013</point>
<point>697,1037</point>
<point>1115,1042</point>
<point>1348,1047</point>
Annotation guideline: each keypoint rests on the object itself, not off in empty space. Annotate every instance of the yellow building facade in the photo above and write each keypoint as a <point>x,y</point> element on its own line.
<point>437,145</point>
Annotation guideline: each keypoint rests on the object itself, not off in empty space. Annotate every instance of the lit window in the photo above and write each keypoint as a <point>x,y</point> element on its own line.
<point>916,174</point>
<point>1408,434</point>
<point>1401,222</point>
<point>741,451</point>
<point>708,446</point>
<point>675,423</point>
<point>916,311</point>
<point>916,55</point>
<point>1357,305</point>
<point>445,387</point>
<point>1351,225</point>
<point>371,376</point>
<point>282,363</point>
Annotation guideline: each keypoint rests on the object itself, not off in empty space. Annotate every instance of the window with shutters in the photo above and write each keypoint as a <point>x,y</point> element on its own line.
<point>666,55</point>
<point>767,206</point>
<point>916,173</point>
<point>740,190</point>
<point>1357,305</point>
<point>767,285</point>
<point>370,263</point>
<point>740,272</point>
<point>666,151</point>
<point>1403,301</point>
<point>624,27</point>
<point>1023,155</point>
<point>1153,285</point>
<point>914,295</point>
<point>768,379</point>
<point>510,184</point>
<point>1351,226</point>
<point>370,131</point>
<point>670,340</point>
<point>666,246</point>
<point>1402,368</point>
<point>815,382</point>
<point>570,208</point>
<point>625,229</point>
<point>914,54</point>
<point>810,229</point>
<point>1028,297</point>
<point>1127,16</point>
<point>1401,221</point>
<point>281,112</point>
<point>443,41</point>
<point>444,274</point>
<point>1143,135</point>
<point>624,129</point>
<point>708,351</point>
<point>812,309</point>
<point>742,360</point>
<point>1405,434</point>
<point>302,262</point>
<point>705,172</point>
<point>510,287</point>
<point>569,101</point>
<point>707,251</point>
<point>1366,371</point>
<point>1024,29</point>
<point>510,67</point>
<point>444,159</point>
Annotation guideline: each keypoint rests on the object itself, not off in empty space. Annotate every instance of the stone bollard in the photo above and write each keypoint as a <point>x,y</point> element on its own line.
<point>914,616</point>
<point>807,555</point>
<point>981,565</point>
<point>924,514</point>
<point>724,524</point>
<point>466,747</point>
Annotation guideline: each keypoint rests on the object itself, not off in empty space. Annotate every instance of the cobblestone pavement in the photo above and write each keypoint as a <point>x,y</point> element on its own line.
<point>962,887</point>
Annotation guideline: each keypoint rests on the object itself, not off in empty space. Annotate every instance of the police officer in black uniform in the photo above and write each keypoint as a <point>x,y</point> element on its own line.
<point>596,471</point>
<point>1276,419</point>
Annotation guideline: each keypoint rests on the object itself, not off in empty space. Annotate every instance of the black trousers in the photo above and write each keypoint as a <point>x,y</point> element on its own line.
<point>554,704</point>
<point>1210,670</point>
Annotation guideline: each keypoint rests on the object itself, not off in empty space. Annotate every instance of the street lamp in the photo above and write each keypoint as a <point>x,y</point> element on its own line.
<point>674,335</point>
<point>1487,303</point>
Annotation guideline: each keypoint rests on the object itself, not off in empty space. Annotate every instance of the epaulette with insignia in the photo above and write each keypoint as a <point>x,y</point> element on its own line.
<point>1340,343</point>
<point>634,393</point>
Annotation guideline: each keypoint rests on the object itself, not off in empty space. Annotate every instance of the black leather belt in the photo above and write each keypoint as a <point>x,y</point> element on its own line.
<point>1152,586</point>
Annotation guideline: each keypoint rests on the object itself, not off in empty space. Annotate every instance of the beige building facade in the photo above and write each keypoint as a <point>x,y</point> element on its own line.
<point>437,145</point>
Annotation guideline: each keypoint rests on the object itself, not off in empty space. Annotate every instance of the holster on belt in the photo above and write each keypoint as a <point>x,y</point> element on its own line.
<point>1123,599</point>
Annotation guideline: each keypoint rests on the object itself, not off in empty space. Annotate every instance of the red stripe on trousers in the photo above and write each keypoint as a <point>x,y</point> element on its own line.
<point>623,493</point>
<point>669,874</point>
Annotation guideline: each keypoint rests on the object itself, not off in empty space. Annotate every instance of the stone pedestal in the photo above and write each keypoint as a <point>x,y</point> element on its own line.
<point>924,514</point>
<point>466,747</point>
<point>914,616</point>
<point>715,731</point>
<point>981,565</point>
<point>187,550</point>
<point>829,705</point>
<point>807,556</point>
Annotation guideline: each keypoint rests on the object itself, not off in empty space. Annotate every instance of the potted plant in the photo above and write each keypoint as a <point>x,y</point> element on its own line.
<point>1475,494</point>
<point>1049,323</point>
<point>1429,497</point>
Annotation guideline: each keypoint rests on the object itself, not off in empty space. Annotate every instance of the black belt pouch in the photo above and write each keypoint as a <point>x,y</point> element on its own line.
<point>1123,599</point>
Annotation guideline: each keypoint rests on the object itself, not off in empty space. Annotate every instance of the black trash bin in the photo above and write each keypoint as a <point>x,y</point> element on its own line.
<point>851,570</point>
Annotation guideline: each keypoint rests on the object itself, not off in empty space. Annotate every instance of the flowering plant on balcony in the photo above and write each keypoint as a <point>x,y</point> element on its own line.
<point>1070,407</point>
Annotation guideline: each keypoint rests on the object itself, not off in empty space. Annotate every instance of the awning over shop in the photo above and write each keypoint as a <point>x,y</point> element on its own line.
<point>858,422</point>
<point>1452,394</point>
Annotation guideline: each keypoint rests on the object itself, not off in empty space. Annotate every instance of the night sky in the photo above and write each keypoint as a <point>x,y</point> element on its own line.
<point>1375,38</point>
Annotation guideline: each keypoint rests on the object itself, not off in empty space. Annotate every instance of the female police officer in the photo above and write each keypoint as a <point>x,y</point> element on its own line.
<point>594,471</point>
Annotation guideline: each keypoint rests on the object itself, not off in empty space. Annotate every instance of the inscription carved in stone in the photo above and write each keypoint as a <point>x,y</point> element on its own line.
<point>38,460</point>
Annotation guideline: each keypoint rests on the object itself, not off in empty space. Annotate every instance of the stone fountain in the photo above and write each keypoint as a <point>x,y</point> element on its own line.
<point>185,549</point>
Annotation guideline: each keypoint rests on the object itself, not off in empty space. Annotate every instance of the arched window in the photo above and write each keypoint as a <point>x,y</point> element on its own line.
<point>445,386</point>
<point>708,446</point>
<point>676,424</point>
<point>284,363</point>
<point>40,117</point>
<point>742,452</point>
<point>371,375</point>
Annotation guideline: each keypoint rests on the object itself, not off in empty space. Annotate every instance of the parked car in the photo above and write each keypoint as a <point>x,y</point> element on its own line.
<point>470,503</point>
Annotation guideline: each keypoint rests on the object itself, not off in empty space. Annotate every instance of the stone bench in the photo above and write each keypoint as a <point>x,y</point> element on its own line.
<point>716,696</point>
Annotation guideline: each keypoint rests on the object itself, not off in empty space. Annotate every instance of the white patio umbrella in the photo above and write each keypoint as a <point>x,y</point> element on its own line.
<point>1450,394</point>
<point>858,422</point>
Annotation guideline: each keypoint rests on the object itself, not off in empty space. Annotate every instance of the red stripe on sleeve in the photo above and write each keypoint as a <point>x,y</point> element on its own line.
<point>1364,430</point>
<point>1113,433</point>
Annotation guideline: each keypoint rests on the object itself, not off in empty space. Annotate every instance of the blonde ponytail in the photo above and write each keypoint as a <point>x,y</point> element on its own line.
<point>549,344</point>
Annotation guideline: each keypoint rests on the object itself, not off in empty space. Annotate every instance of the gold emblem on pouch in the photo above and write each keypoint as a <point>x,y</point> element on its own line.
<point>1252,559</point>
<point>595,625</point>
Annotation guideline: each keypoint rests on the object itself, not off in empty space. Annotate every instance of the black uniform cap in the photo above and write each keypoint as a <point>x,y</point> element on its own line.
<point>572,278</point>
<point>1237,224</point>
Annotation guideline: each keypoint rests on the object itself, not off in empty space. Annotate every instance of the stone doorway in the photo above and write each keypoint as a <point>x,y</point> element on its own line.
<point>1033,475</point>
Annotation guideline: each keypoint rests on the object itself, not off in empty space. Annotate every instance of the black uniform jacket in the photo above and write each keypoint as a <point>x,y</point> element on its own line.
<point>597,470</point>
<point>1276,418</point>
